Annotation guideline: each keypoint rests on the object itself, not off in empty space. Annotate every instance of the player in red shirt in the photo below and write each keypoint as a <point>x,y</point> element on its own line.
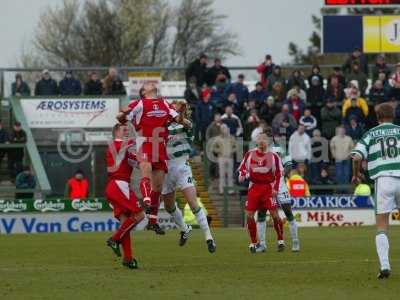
<point>150,116</point>
<point>120,160</point>
<point>264,169</point>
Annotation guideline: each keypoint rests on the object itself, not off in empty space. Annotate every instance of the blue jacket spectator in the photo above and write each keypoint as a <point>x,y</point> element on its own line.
<point>70,86</point>
<point>20,87</point>
<point>46,86</point>
<point>309,122</point>
<point>218,96</point>
<point>204,115</point>
<point>25,180</point>
<point>259,94</point>
<point>239,89</point>
<point>354,130</point>
<point>232,121</point>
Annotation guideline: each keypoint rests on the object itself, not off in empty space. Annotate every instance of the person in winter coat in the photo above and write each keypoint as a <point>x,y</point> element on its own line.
<point>356,57</point>
<point>204,115</point>
<point>356,106</point>
<point>93,86</point>
<point>354,130</point>
<point>315,72</point>
<point>330,118</point>
<point>197,69</point>
<point>357,75</point>
<point>20,87</point>
<point>296,79</point>
<point>316,92</point>
<point>70,86</point>
<point>46,86</point>
<point>284,124</point>
<point>377,93</point>
<point>239,89</point>
<point>296,105</point>
<point>380,66</point>
<point>192,93</point>
<point>308,121</point>
<point>275,77</point>
<point>265,69</point>
<point>215,70</point>
<point>112,84</point>
<point>335,90</point>
<point>259,94</point>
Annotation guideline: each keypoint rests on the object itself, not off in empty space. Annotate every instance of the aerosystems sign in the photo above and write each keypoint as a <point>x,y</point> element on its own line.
<point>70,112</point>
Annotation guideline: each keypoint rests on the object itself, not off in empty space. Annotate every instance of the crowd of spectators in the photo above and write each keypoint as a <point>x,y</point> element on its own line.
<point>306,109</point>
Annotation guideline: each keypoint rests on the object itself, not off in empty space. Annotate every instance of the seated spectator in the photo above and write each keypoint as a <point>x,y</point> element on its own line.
<point>296,105</point>
<point>380,66</point>
<point>25,180</point>
<point>46,86</point>
<point>251,122</point>
<point>300,145</point>
<point>268,110</point>
<point>279,94</point>
<point>356,57</point>
<point>197,69</point>
<point>355,105</point>
<point>70,86</point>
<point>341,145</point>
<point>262,126</point>
<point>377,93</point>
<point>259,94</point>
<point>308,121</point>
<point>248,108</point>
<point>19,87</point>
<point>385,81</point>
<point>297,186</point>
<point>320,155</point>
<point>354,130</point>
<point>112,84</point>
<point>265,69</point>
<point>337,72</point>
<point>214,129</point>
<point>331,117</point>
<point>77,186</point>
<point>16,155</point>
<point>395,84</point>
<point>315,72</point>
<point>357,75</point>
<point>352,89</point>
<point>204,116</point>
<point>239,89</point>
<point>93,86</point>
<point>302,94</point>
<point>324,179</point>
<point>233,101</point>
<point>335,90</point>
<point>232,121</point>
<point>215,70</point>
<point>275,77</point>
<point>4,139</point>
<point>284,124</point>
<point>316,92</point>
<point>296,79</point>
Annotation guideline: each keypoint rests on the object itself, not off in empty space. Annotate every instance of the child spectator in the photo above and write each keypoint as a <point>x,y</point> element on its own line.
<point>324,179</point>
<point>297,186</point>
<point>308,121</point>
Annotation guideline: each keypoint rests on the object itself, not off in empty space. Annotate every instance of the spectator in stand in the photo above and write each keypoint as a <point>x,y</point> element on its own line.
<point>296,105</point>
<point>16,155</point>
<point>355,106</point>
<point>46,86</point>
<point>303,171</point>
<point>354,111</point>
<point>300,145</point>
<point>77,186</point>
<point>335,90</point>
<point>356,57</point>
<point>319,158</point>
<point>315,72</point>
<point>354,130</point>
<point>316,92</point>
<point>279,94</point>
<point>337,72</point>
<point>296,79</point>
<point>300,92</point>
<point>232,121</point>
<point>70,86</point>
<point>377,93</point>
<point>233,101</point>
<point>214,129</point>
<point>268,110</point>
<point>259,94</point>
<point>357,75</point>
<point>265,69</point>
<point>19,87</point>
<point>218,94</point>
<point>93,86</point>
<point>297,186</point>
<point>275,77</point>
<point>324,179</point>
<point>24,181</point>
<point>4,139</point>
<point>380,67</point>
<point>198,70</point>
<point>341,145</point>
<point>248,108</point>
<point>239,89</point>
<point>284,124</point>
<point>216,70</point>
<point>192,93</point>
<point>395,84</point>
<point>385,81</point>
<point>204,115</point>
<point>352,89</point>
<point>308,121</point>
<point>112,84</point>
<point>331,117</point>
<point>262,126</point>
<point>251,123</point>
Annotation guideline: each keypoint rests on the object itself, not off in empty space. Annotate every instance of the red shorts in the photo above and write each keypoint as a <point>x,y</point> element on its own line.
<point>156,155</point>
<point>122,198</point>
<point>259,197</point>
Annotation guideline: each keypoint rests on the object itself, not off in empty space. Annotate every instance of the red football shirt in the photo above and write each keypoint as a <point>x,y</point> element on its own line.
<point>120,159</point>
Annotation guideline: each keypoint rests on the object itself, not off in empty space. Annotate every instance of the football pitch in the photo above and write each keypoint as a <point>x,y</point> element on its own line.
<point>334,263</point>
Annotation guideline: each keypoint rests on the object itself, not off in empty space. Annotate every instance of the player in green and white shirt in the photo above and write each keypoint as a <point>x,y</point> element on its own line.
<point>180,176</point>
<point>285,203</point>
<point>380,147</point>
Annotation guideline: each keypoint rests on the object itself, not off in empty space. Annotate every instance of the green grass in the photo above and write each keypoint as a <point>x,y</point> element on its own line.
<point>335,263</point>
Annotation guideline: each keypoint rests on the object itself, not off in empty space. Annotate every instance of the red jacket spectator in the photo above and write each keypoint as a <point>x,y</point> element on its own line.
<point>265,70</point>
<point>78,186</point>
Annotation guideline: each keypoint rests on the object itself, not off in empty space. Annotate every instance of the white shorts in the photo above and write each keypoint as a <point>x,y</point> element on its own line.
<point>179,176</point>
<point>283,194</point>
<point>387,194</point>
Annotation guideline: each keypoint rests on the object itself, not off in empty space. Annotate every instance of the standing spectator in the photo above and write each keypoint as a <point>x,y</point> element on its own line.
<point>70,86</point>
<point>380,66</point>
<point>284,124</point>
<point>278,92</point>
<point>112,84</point>
<point>216,70</point>
<point>259,94</point>
<point>335,90</point>
<point>296,79</point>
<point>204,115</point>
<point>315,72</point>
<point>296,105</point>
<point>46,86</point>
<point>233,101</point>
<point>357,75</point>
<point>356,106</point>
<point>214,129</point>
<point>198,70</point>
<point>275,77</point>
<point>265,69</point>
<point>337,72</point>
<point>251,123</point>
<point>300,92</point>
<point>354,130</point>
<point>330,118</point>
<point>25,180</point>
<point>316,92</point>
<point>93,86</point>
<point>192,93</point>
<point>268,110</point>
<point>377,93</point>
<point>341,145</point>
<point>232,121</point>
<point>308,121</point>
<point>356,57</point>
<point>319,158</point>
<point>248,108</point>
<point>4,139</point>
<point>219,97</point>
<point>300,145</point>
<point>77,186</point>
<point>19,87</point>
<point>239,89</point>
<point>16,155</point>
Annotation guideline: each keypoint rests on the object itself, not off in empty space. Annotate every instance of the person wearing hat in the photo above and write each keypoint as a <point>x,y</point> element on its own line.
<point>204,115</point>
<point>46,86</point>
<point>331,117</point>
<point>265,69</point>
<point>197,69</point>
<point>259,94</point>
<point>275,77</point>
<point>70,86</point>
<point>20,87</point>
<point>16,155</point>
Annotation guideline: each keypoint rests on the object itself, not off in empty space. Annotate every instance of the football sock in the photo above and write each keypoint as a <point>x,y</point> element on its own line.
<point>382,247</point>
<point>252,229</point>
<point>155,203</point>
<point>124,229</point>
<point>201,219</point>
<point>126,246</point>
<point>145,187</point>
<point>278,226</point>
<point>261,228</point>
<point>176,213</point>
<point>293,230</point>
